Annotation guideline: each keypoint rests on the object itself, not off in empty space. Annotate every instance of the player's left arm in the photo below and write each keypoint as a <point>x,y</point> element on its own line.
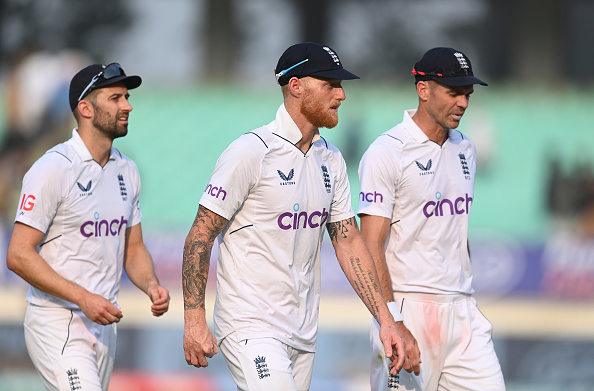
<point>141,270</point>
<point>359,268</point>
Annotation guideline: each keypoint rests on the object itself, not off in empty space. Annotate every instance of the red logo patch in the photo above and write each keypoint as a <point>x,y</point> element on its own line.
<point>28,202</point>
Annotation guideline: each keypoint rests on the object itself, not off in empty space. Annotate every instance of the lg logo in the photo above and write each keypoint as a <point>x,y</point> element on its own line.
<point>28,202</point>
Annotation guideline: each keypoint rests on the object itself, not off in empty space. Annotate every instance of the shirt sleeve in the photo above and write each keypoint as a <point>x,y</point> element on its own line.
<point>378,176</point>
<point>236,172</point>
<point>42,192</point>
<point>341,207</point>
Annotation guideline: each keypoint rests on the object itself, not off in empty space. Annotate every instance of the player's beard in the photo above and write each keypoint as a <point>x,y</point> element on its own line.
<point>315,112</point>
<point>108,124</point>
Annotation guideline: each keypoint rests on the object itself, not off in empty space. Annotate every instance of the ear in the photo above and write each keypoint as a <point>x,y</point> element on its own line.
<point>85,108</point>
<point>296,86</point>
<point>423,89</point>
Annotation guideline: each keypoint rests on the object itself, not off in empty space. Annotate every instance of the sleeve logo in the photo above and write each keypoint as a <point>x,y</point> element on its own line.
<point>28,202</point>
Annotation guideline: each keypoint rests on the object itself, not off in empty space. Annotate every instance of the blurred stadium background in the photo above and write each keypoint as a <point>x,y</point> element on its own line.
<point>207,67</point>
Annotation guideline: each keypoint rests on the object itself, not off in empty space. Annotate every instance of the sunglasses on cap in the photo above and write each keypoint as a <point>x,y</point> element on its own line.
<point>415,73</point>
<point>110,71</point>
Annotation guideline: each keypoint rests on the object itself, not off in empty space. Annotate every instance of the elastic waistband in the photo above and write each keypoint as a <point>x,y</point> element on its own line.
<point>436,298</point>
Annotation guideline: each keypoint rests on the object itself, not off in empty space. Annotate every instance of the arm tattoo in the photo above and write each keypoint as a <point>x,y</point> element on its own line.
<point>196,262</point>
<point>365,284</point>
<point>340,229</point>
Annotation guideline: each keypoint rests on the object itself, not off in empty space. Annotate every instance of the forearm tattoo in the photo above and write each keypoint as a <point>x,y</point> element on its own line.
<point>341,229</point>
<point>196,260</point>
<point>365,284</point>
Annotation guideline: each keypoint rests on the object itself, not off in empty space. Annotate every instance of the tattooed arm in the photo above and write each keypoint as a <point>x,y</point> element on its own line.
<point>199,341</point>
<point>358,266</point>
<point>375,230</point>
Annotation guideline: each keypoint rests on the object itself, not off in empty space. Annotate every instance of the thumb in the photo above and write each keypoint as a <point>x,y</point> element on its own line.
<point>388,350</point>
<point>153,294</point>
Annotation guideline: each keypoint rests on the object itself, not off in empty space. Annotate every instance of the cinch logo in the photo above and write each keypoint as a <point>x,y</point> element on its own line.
<point>28,202</point>
<point>215,191</point>
<point>371,197</point>
<point>460,205</point>
<point>290,220</point>
<point>99,228</point>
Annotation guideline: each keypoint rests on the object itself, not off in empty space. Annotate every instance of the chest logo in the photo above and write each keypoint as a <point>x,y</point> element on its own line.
<point>326,176</point>
<point>86,190</point>
<point>287,179</point>
<point>123,191</point>
<point>464,165</point>
<point>425,169</point>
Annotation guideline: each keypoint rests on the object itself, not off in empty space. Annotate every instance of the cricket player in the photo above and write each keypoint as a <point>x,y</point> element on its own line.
<point>77,227</point>
<point>417,190</point>
<point>271,195</point>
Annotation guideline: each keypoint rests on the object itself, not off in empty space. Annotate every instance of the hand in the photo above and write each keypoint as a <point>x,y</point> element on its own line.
<point>99,309</point>
<point>199,342</point>
<point>394,345</point>
<point>160,298</point>
<point>413,354</point>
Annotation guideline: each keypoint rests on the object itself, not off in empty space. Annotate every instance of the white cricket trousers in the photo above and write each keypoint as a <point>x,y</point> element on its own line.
<point>266,364</point>
<point>69,351</point>
<point>454,338</point>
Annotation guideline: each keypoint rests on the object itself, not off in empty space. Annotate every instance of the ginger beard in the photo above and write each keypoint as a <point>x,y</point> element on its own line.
<point>315,112</point>
<point>108,124</point>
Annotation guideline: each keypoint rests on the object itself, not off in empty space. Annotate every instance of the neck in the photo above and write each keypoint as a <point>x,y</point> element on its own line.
<point>308,131</point>
<point>97,143</point>
<point>435,132</point>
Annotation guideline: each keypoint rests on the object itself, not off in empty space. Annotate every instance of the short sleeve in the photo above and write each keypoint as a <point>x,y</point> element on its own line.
<point>42,192</point>
<point>378,177</point>
<point>341,207</point>
<point>236,172</point>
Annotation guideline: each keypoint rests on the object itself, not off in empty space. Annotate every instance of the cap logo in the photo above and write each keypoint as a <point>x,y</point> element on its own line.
<point>333,55</point>
<point>461,60</point>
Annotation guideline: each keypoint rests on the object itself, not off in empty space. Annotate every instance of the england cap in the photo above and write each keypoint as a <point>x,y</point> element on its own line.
<point>97,76</point>
<point>310,59</point>
<point>446,66</point>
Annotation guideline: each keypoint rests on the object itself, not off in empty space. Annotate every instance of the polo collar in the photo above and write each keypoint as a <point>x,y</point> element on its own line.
<point>81,148</point>
<point>413,129</point>
<point>287,129</point>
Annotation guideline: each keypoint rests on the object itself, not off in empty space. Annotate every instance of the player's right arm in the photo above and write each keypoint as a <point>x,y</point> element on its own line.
<point>23,260</point>
<point>374,230</point>
<point>199,342</point>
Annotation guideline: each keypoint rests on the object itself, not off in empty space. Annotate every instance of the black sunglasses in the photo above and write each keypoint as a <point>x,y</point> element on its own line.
<point>110,71</point>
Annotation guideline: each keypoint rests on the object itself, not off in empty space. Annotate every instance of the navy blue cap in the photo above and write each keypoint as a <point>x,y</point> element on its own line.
<point>81,82</point>
<point>446,66</point>
<point>310,59</point>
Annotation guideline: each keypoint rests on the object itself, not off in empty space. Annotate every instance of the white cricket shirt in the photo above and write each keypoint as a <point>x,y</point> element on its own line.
<point>278,201</point>
<point>84,210</point>
<point>426,190</point>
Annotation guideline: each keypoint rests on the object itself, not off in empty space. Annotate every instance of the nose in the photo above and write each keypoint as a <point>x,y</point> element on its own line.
<point>463,101</point>
<point>341,95</point>
<point>126,106</point>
